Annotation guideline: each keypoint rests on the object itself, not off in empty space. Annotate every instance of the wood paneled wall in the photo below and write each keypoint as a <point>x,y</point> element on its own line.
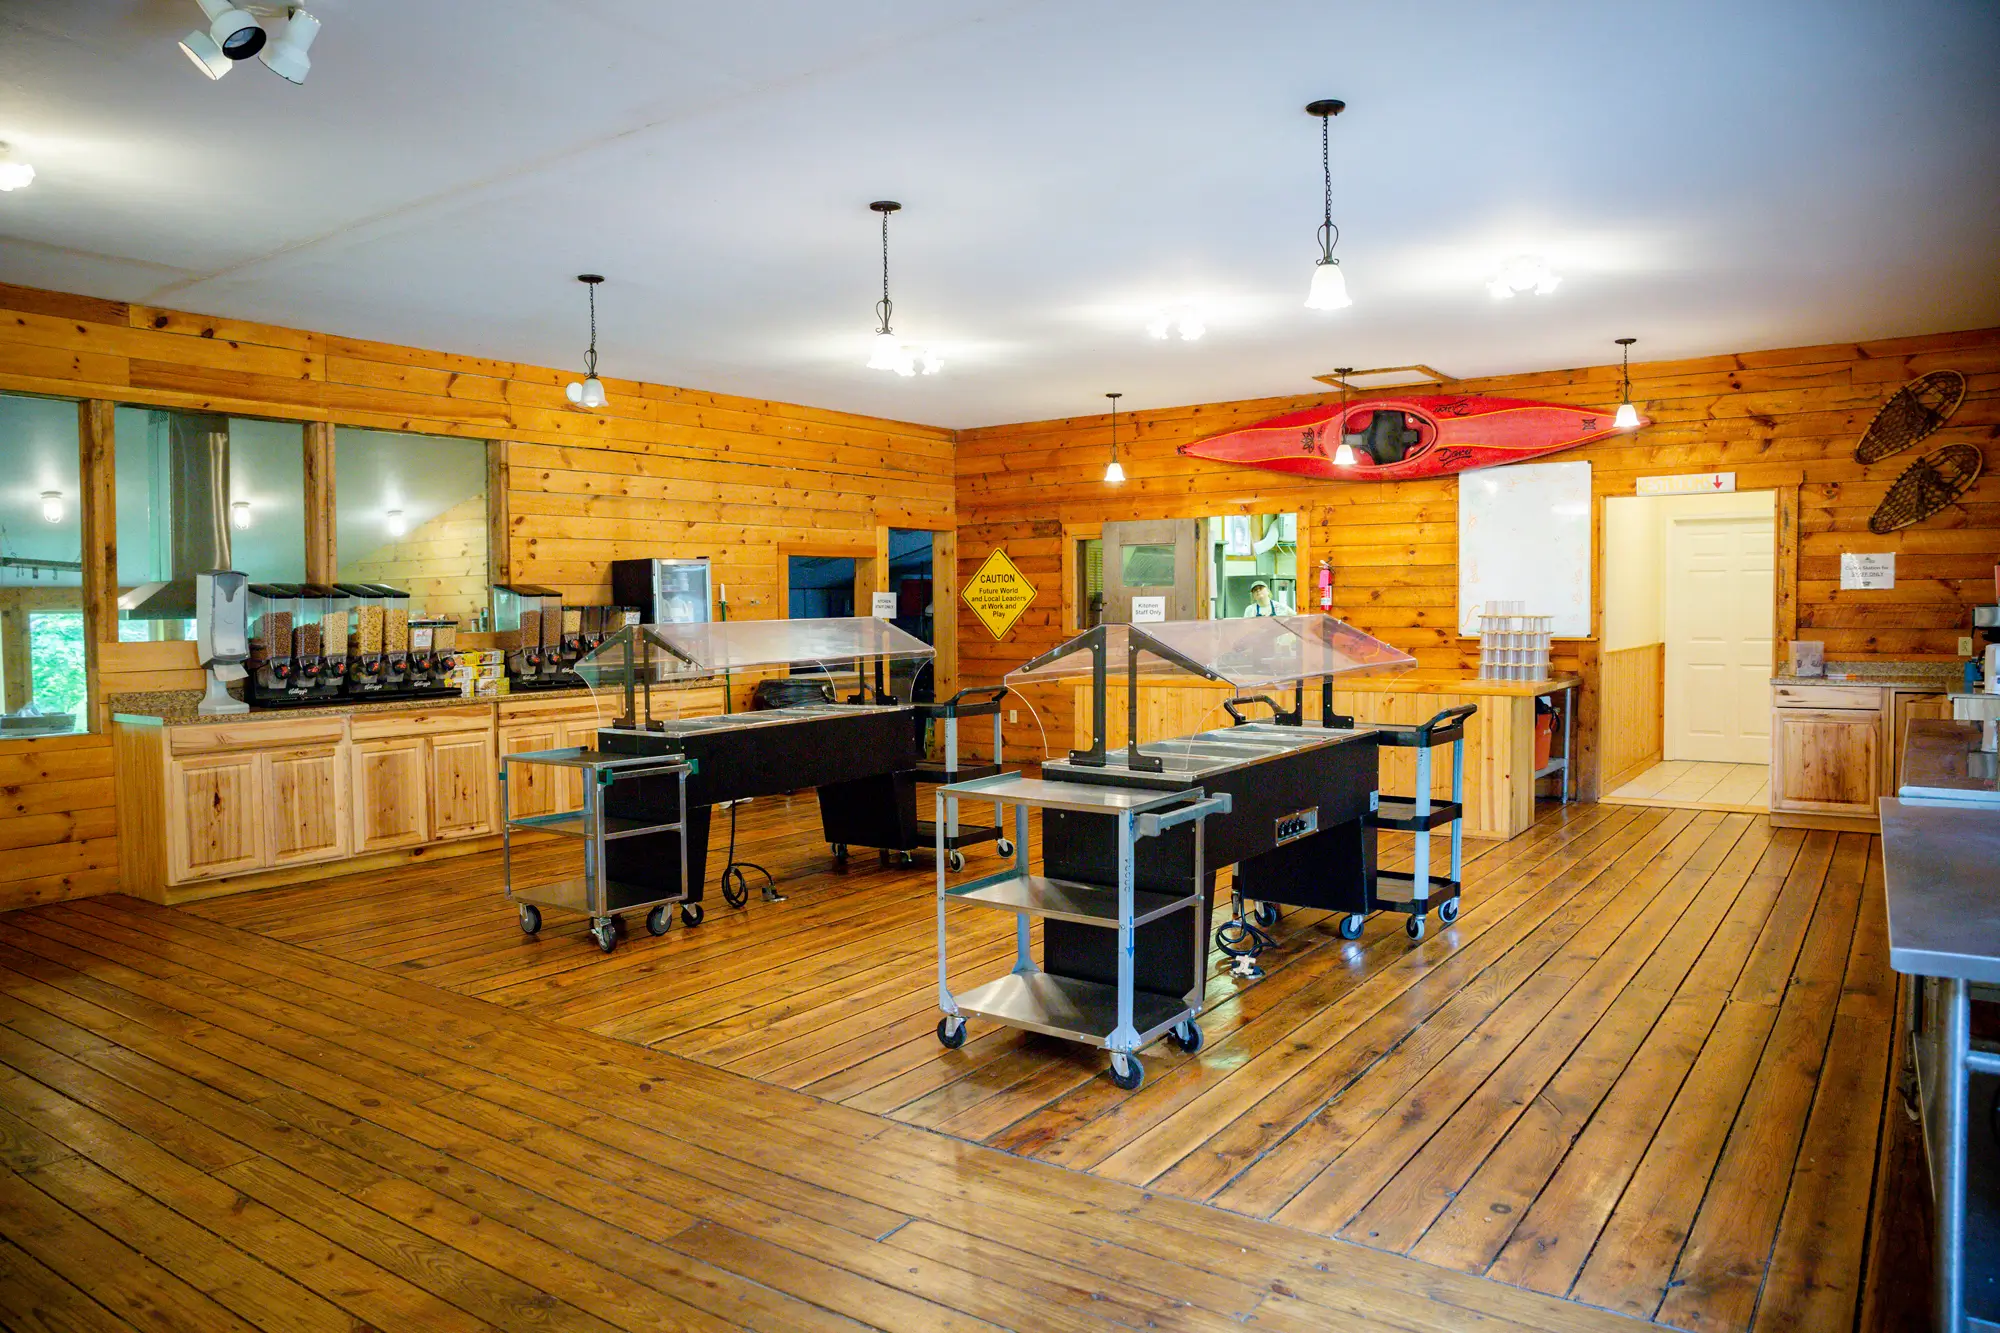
<point>1632,700</point>
<point>1785,420</point>
<point>661,471</point>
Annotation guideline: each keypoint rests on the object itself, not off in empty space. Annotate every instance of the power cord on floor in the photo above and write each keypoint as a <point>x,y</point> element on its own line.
<point>735,884</point>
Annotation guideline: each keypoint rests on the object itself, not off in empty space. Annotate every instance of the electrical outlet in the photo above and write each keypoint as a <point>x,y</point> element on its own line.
<point>1014,714</point>
<point>1965,645</point>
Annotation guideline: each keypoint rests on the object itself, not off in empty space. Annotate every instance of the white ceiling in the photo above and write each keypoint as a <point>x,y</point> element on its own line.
<point>1706,176</point>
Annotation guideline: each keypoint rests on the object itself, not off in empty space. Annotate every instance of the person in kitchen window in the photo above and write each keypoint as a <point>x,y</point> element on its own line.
<point>1263,604</point>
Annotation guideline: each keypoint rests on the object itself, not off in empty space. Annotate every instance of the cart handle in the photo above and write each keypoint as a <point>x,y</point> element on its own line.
<point>994,694</point>
<point>1279,714</point>
<point>1152,825</point>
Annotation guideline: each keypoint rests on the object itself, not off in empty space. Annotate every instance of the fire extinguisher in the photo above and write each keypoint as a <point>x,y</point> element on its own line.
<point>1326,585</point>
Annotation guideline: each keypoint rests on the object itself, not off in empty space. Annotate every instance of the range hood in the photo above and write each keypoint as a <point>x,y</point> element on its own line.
<point>197,514</point>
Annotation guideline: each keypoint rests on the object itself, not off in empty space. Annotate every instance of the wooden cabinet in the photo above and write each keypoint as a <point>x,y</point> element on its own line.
<point>1826,761</point>
<point>214,815</point>
<point>461,785</point>
<point>391,790</point>
<point>306,805</point>
<point>534,789</point>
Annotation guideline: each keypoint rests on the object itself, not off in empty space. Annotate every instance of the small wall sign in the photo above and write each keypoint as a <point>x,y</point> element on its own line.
<point>1692,483</point>
<point>1149,610</point>
<point>1860,571</point>
<point>884,606</point>
<point>998,594</point>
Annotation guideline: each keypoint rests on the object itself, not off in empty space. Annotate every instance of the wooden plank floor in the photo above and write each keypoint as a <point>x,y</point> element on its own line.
<point>1644,1072</point>
<point>1687,784</point>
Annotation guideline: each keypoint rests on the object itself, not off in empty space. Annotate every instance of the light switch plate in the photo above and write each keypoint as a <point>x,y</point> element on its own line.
<point>1014,714</point>
<point>1965,645</point>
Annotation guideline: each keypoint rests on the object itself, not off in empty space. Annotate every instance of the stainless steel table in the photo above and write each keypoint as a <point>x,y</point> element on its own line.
<point>1941,863</point>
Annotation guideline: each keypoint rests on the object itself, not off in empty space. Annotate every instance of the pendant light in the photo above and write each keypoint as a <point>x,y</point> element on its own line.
<point>889,351</point>
<point>1628,415</point>
<point>589,391</point>
<point>1329,285</point>
<point>52,506</point>
<point>1115,473</point>
<point>1343,453</point>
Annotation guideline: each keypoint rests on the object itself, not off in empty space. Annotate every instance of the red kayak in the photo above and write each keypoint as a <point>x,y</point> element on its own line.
<point>1425,435</point>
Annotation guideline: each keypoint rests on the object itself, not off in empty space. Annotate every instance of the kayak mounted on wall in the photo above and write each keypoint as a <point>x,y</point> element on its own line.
<point>1422,435</point>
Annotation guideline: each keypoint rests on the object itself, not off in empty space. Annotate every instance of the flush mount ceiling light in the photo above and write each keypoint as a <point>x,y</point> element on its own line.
<point>1628,415</point>
<point>1329,285</point>
<point>1115,472</point>
<point>890,352</point>
<point>239,515</point>
<point>394,521</point>
<point>14,173</point>
<point>1182,319</point>
<point>52,506</point>
<point>589,391</point>
<point>287,57</point>
<point>1343,453</point>
<point>1523,273</point>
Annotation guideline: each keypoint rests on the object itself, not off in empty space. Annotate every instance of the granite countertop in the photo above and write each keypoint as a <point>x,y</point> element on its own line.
<point>1926,675</point>
<point>178,708</point>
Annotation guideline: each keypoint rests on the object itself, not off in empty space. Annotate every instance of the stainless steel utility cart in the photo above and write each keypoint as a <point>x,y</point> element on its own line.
<point>1117,1012</point>
<point>595,894</point>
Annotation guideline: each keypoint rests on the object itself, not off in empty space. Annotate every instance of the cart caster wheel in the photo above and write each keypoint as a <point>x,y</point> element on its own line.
<point>906,858</point>
<point>840,853</point>
<point>1351,924</point>
<point>1187,1036</point>
<point>658,920</point>
<point>1448,911</point>
<point>1267,915</point>
<point>1127,1072</point>
<point>951,1032</point>
<point>531,919</point>
<point>1005,846</point>
<point>605,934</point>
<point>619,924</point>
<point>1415,927</point>
<point>691,914</point>
<point>956,860</point>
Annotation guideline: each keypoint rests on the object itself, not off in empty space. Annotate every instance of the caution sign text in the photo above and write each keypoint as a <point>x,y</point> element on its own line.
<point>998,594</point>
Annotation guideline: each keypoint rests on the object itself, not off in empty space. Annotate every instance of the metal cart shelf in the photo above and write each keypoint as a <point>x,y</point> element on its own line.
<point>594,894</point>
<point>973,701</point>
<point>1120,1018</point>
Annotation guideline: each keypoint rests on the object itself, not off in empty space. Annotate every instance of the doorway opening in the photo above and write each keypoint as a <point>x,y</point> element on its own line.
<point>1689,614</point>
<point>912,582</point>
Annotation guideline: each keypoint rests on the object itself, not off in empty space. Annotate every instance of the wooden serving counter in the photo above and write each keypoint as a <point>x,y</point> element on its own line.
<point>211,806</point>
<point>1499,738</point>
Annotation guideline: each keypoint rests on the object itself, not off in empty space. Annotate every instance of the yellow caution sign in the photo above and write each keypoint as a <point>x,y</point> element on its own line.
<point>998,594</point>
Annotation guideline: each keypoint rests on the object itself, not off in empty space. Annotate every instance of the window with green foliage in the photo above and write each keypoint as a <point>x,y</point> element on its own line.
<point>42,680</point>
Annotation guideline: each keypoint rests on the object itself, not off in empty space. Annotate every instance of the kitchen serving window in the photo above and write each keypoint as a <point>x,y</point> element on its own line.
<point>410,512</point>
<point>43,686</point>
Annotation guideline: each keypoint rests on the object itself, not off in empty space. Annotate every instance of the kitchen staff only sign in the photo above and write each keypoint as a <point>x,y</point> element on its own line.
<point>998,594</point>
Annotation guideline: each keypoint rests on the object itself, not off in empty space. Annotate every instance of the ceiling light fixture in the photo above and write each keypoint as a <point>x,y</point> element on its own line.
<point>589,391</point>
<point>201,48</point>
<point>52,506</point>
<point>1115,473</point>
<point>397,527</point>
<point>239,515</point>
<point>1343,453</point>
<point>1184,319</point>
<point>890,352</point>
<point>1329,285</point>
<point>232,35</point>
<point>1628,415</point>
<point>287,57</point>
<point>14,173</point>
<point>1523,273</point>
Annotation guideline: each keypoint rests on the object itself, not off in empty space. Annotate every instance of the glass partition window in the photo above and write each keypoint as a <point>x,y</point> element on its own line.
<point>1246,653</point>
<point>198,492</point>
<point>410,511</point>
<point>42,682</point>
<point>1246,550</point>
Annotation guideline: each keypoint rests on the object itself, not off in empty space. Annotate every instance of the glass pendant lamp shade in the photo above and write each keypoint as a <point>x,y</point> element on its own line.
<point>1115,473</point>
<point>1343,455</point>
<point>593,392</point>
<point>1329,287</point>
<point>1627,418</point>
<point>886,353</point>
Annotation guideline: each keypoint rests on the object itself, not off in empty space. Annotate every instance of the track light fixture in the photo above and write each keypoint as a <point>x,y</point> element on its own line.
<point>234,34</point>
<point>1115,473</point>
<point>1329,285</point>
<point>888,351</point>
<point>589,391</point>
<point>287,57</point>
<point>1628,415</point>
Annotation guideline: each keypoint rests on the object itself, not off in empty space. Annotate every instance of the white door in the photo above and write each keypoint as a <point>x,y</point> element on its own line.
<point>1720,582</point>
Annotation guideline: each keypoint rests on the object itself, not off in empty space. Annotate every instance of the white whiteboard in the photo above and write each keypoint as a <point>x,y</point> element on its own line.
<point>1524,536</point>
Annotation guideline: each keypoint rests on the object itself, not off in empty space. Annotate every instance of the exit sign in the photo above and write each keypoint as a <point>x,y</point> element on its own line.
<point>1695,483</point>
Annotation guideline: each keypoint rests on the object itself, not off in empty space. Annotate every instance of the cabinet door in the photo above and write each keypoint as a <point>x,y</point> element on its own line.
<point>1908,708</point>
<point>461,785</point>
<point>1827,762</point>
<point>533,789</point>
<point>214,816</point>
<point>305,799</point>
<point>391,780</point>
